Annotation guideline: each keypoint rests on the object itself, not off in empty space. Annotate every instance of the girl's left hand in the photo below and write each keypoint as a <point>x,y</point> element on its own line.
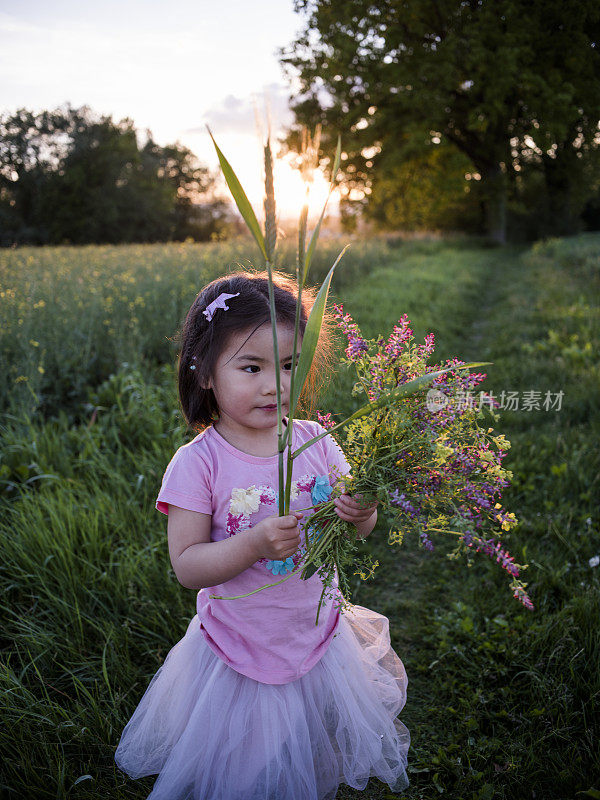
<point>352,509</point>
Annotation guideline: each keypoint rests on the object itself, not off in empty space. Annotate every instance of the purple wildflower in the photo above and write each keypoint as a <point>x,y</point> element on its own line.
<point>426,541</point>
<point>492,548</point>
<point>521,595</point>
<point>356,344</point>
<point>424,350</point>
<point>356,347</point>
<point>402,502</point>
<point>400,335</point>
<point>325,420</point>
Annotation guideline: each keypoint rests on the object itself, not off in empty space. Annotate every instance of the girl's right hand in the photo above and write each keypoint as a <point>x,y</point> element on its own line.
<point>278,537</point>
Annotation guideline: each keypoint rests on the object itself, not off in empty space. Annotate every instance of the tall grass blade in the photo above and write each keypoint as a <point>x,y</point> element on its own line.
<point>241,200</point>
<point>280,437</point>
<point>270,212</point>
<point>302,244</point>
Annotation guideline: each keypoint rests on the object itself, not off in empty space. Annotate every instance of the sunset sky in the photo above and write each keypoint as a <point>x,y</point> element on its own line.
<point>171,67</point>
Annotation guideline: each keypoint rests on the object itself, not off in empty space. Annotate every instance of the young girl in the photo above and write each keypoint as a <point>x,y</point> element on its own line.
<point>256,702</point>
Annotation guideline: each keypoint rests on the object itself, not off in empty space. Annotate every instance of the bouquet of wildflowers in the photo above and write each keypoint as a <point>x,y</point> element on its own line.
<point>427,461</point>
<point>431,467</point>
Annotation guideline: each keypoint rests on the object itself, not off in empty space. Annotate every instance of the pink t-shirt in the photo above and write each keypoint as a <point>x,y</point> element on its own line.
<point>270,636</point>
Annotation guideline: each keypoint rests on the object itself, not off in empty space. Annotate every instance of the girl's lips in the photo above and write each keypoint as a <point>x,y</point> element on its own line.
<point>269,408</point>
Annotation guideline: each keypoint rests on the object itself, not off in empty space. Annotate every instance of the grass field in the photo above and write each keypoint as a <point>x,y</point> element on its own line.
<point>502,702</point>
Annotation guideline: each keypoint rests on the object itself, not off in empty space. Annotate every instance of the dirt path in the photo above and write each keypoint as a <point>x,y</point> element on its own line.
<point>409,589</point>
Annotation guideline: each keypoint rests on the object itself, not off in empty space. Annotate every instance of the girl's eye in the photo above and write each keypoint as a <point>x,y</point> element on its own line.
<point>288,366</point>
<point>251,369</point>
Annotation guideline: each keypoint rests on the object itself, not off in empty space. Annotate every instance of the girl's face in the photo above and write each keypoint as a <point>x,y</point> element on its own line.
<point>244,380</point>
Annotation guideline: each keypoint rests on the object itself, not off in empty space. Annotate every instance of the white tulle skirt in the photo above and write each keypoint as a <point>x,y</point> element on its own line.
<point>211,733</point>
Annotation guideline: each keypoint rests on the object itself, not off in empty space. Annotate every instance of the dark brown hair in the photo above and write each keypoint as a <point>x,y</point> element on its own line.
<point>201,341</point>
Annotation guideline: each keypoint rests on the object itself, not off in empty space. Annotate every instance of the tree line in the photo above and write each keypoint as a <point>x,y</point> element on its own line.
<point>71,176</point>
<point>476,115</point>
<point>480,116</point>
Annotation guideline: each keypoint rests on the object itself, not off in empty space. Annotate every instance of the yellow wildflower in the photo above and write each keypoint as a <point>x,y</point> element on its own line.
<point>509,522</point>
<point>442,453</point>
<point>395,537</point>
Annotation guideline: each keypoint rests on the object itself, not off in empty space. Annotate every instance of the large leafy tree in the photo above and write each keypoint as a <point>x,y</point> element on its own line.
<point>69,176</point>
<point>513,85</point>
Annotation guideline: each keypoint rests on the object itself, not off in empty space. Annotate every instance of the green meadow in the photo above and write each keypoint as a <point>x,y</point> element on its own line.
<point>502,702</point>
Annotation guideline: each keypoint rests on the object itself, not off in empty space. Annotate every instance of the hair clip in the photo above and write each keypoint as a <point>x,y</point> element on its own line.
<point>210,309</point>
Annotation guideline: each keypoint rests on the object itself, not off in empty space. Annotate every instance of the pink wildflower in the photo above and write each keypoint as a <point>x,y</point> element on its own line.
<point>356,344</point>
<point>325,420</point>
<point>521,595</point>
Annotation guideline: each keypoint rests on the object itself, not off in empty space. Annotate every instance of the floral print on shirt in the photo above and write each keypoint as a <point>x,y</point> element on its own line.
<point>245,502</point>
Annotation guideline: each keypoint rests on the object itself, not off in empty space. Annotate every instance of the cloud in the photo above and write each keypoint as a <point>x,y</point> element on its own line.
<point>238,115</point>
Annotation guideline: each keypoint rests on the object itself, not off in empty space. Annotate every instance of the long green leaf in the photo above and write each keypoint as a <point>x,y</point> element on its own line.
<point>389,398</point>
<point>315,236</point>
<point>311,335</point>
<point>241,200</point>
<point>290,425</point>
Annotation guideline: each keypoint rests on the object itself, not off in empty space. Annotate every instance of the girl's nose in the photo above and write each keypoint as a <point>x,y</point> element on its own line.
<point>269,386</point>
